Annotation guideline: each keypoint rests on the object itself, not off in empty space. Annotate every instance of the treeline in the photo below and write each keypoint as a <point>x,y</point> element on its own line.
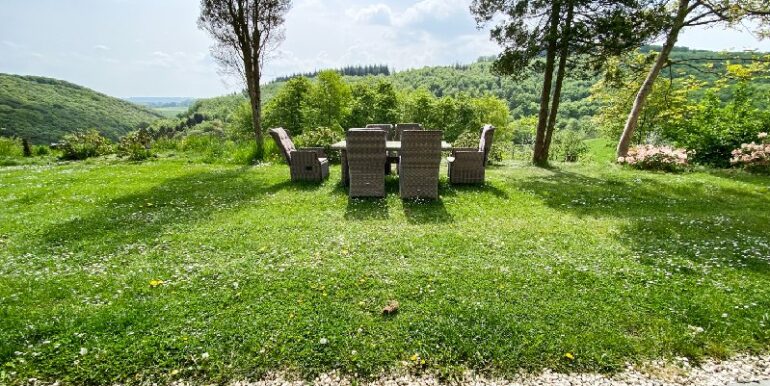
<point>375,69</point>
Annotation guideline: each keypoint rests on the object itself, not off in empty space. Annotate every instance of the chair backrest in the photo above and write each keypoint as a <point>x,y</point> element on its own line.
<point>485,143</point>
<point>387,127</point>
<point>421,148</point>
<point>365,149</point>
<point>400,127</point>
<point>283,141</point>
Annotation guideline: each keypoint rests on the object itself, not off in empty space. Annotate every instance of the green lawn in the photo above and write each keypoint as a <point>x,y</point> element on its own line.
<point>258,274</point>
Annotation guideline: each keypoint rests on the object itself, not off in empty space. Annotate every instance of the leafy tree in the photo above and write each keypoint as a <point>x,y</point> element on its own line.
<point>329,100</point>
<point>245,30</point>
<point>287,108</point>
<point>562,29</point>
<point>418,106</point>
<point>685,14</point>
<point>385,103</point>
<point>362,102</point>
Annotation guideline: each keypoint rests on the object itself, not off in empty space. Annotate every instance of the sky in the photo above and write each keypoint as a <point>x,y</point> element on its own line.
<point>130,48</point>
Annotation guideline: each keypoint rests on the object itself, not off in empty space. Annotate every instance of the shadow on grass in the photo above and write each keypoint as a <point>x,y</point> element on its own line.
<point>674,215</point>
<point>367,209</point>
<point>419,211</point>
<point>446,189</point>
<point>148,214</point>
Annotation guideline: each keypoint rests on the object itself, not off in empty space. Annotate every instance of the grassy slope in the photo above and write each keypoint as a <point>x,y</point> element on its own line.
<point>44,109</point>
<point>605,263</point>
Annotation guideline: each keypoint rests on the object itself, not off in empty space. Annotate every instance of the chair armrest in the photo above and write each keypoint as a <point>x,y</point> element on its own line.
<point>474,156</point>
<point>464,149</point>
<point>320,152</point>
<point>305,156</point>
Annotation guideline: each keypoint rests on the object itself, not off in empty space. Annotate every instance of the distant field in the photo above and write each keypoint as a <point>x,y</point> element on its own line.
<point>170,112</point>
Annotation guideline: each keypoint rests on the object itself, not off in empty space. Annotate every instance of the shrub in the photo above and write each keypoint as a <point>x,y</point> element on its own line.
<point>471,139</point>
<point>41,150</point>
<point>753,156</point>
<point>10,147</point>
<point>136,145</point>
<point>569,145</point>
<point>80,145</point>
<point>649,157</point>
<point>321,137</point>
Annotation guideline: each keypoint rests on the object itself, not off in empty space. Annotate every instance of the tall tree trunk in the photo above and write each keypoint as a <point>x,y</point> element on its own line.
<point>561,72</point>
<point>538,156</point>
<point>632,123</point>
<point>256,107</point>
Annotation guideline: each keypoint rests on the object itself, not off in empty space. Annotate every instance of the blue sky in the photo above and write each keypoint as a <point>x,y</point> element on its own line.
<point>154,48</point>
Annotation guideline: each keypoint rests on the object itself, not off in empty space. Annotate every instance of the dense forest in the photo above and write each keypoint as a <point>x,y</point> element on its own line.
<point>42,110</point>
<point>377,69</point>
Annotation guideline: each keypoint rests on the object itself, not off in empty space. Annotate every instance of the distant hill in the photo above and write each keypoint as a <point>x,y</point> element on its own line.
<point>44,109</point>
<point>162,101</point>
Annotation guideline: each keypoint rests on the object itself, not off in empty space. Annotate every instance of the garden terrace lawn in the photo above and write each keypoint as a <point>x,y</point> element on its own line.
<point>121,272</point>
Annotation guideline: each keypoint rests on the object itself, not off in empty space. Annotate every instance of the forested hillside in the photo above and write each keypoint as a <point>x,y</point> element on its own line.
<point>523,94</point>
<point>43,110</point>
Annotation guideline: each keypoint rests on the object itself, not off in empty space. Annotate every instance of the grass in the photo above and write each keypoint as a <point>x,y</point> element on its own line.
<point>116,272</point>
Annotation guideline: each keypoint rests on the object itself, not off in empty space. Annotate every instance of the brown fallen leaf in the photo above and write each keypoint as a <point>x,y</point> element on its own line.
<point>391,308</point>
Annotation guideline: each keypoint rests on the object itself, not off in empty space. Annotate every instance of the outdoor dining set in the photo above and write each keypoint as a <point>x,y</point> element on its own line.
<point>368,155</point>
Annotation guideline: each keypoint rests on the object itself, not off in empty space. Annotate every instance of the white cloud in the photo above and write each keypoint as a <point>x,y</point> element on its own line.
<point>101,47</point>
<point>432,9</point>
<point>378,14</point>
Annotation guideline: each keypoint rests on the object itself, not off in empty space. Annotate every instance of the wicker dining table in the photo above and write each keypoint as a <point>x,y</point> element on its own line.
<point>342,146</point>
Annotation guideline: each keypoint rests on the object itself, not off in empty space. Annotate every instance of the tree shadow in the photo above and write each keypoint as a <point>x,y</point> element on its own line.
<point>148,214</point>
<point>449,190</point>
<point>421,211</point>
<point>742,176</point>
<point>359,209</point>
<point>662,216</point>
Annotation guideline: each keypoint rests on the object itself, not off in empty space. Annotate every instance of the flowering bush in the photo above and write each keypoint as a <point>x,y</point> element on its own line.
<point>649,157</point>
<point>80,145</point>
<point>753,156</point>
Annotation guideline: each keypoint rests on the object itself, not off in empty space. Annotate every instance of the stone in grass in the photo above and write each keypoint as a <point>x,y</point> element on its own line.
<point>391,308</point>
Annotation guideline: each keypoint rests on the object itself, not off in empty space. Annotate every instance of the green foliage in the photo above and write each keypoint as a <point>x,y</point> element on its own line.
<point>288,108</point>
<point>712,129</point>
<point>43,110</point>
<point>10,147</point>
<point>373,103</point>
<point>470,139</point>
<point>136,145</point>
<point>240,124</point>
<point>322,137</point>
<point>216,108</point>
<point>569,146</point>
<point>708,118</point>
<point>83,144</point>
<point>329,100</point>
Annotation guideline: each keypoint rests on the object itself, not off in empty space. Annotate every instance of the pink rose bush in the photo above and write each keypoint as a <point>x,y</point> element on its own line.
<point>753,156</point>
<point>649,157</point>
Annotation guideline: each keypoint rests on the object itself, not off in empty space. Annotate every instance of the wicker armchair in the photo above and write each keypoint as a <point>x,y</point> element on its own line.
<point>308,164</point>
<point>467,166</point>
<point>400,127</point>
<point>365,157</point>
<point>386,127</point>
<point>420,162</point>
<point>389,132</point>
